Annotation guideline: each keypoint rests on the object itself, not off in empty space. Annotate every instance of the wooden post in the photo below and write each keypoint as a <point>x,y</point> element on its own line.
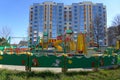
<point>28,67</point>
<point>64,68</point>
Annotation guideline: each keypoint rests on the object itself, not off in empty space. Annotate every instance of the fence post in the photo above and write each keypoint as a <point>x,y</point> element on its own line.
<point>64,67</point>
<point>96,64</point>
<point>28,67</point>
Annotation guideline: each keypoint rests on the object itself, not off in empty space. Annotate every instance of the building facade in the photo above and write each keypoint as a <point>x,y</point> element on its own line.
<point>55,18</point>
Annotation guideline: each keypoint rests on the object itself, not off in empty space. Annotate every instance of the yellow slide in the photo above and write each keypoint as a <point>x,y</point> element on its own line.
<point>72,45</point>
<point>81,46</point>
<point>80,42</point>
<point>56,45</point>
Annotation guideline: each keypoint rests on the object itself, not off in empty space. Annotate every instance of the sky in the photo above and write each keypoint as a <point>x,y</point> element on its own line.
<point>15,13</point>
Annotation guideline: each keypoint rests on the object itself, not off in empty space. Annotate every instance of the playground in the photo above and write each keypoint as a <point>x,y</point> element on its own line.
<point>61,52</point>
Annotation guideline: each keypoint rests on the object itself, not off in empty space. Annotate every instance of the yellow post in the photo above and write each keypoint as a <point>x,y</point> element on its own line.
<point>118,44</point>
<point>84,43</point>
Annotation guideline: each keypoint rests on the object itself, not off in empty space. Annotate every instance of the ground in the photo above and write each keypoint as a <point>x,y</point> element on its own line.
<point>113,74</point>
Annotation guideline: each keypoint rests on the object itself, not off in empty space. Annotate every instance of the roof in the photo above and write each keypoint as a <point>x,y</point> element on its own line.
<point>45,34</point>
<point>69,31</point>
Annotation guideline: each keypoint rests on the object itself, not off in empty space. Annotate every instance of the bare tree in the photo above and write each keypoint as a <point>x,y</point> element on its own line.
<point>111,32</point>
<point>114,31</point>
<point>116,21</point>
<point>116,24</point>
<point>5,32</point>
<point>97,26</point>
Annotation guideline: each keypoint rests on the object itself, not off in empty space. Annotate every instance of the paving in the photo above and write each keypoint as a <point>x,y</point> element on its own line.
<point>22,68</point>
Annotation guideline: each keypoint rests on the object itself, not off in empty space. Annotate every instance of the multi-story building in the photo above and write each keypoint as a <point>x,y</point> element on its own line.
<point>55,18</point>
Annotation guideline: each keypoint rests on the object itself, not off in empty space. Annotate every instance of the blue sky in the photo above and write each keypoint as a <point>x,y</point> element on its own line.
<point>15,13</point>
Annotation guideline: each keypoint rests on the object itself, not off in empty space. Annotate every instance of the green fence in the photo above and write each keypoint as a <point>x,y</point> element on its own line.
<point>59,61</point>
<point>46,61</point>
<point>13,59</point>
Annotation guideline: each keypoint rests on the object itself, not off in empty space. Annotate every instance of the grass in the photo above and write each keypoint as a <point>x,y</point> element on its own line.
<point>47,75</point>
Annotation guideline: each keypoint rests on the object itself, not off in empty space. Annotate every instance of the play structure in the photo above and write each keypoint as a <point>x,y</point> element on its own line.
<point>61,52</point>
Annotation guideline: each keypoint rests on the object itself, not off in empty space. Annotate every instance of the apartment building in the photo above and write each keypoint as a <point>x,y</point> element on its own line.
<point>54,18</point>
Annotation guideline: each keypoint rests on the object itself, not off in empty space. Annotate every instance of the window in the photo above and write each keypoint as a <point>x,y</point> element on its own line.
<point>75,30</point>
<point>35,25</point>
<point>75,10</point>
<point>35,14</point>
<point>65,8</point>
<point>65,19</point>
<point>60,6</point>
<point>75,22</point>
<point>70,28</point>
<point>35,31</point>
<point>35,18</point>
<point>65,12</point>
<point>60,21</point>
<point>100,14</point>
<point>50,26</point>
<point>50,5</point>
<point>75,26</point>
<point>60,26</point>
<point>45,18</point>
<point>35,21</point>
<point>60,10</point>
<point>60,14</point>
<point>60,30</point>
<point>70,15</point>
<point>31,12</point>
<point>75,17</point>
<point>75,6</point>
<point>35,6</point>
<point>36,10</point>
<point>31,19</point>
<point>70,12</point>
<point>70,19</point>
<point>75,14</point>
<point>75,36</point>
<point>100,10</point>
<point>99,7</point>
<point>85,26</point>
<point>50,34</point>
<point>60,18</point>
<point>45,26</point>
<point>35,40</point>
<point>82,7</point>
